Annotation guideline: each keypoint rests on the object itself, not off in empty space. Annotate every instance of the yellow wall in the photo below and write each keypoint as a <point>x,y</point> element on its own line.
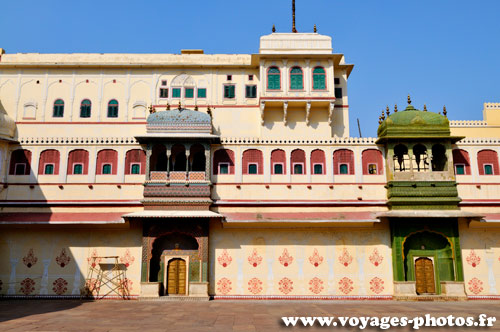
<point>48,244</point>
<point>331,276</point>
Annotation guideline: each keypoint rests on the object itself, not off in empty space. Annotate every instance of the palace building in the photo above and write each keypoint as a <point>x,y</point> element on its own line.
<point>222,176</point>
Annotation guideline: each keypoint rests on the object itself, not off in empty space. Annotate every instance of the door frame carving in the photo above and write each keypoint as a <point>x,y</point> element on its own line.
<point>167,259</point>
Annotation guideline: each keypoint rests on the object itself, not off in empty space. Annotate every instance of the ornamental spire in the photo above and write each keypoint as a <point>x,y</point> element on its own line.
<point>293,17</point>
<point>409,99</point>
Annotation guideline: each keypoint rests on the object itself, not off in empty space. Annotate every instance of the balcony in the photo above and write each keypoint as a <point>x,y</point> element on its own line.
<point>177,177</point>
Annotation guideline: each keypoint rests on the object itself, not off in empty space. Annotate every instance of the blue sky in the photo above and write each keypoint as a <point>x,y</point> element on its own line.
<point>442,52</point>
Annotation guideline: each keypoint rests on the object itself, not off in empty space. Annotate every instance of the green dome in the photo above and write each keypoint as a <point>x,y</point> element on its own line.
<point>414,123</point>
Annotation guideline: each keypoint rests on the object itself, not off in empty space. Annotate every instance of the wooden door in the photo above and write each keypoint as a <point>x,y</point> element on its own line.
<point>424,276</point>
<point>176,277</point>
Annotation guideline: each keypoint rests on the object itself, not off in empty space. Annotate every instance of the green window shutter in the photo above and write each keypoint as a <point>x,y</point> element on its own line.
<point>176,93</point>
<point>252,169</point>
<point>460,169</point>
<point>318,169</point>
<point>488,170</point>
<point>319,82</point>
<point>49,169</point>
<point>189,93</point>
<point>338,92</point>
<point>229,91</point>
<point>344,169</point>
<point>78,169</point>
<point>223,169</point>
<point>202,93</point>
<point>278,169</point>
<point>106,169</point>
<point>136,169</point>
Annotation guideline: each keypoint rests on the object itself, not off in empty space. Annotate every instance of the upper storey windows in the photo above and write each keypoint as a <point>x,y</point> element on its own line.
<point>85,108</point>
<point>113,108</point>
<point>273,79</point>
<point>319,78</point>
<point>296,79</point>
<point>58,109</point>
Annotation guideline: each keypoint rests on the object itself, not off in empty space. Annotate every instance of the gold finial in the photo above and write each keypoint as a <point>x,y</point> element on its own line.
<point>293,17</point>
<point>180,106</point>
<point>151,109</point>
<point>274,28</point>
<point>168,106</point>
<point>379,120</point>
<point>387,110</point>
<point>409,100</point>
<point>315,29</point>
<point>444,111</point>
<point>395,108</point>
<point>383,115</point>
<point>196,107</point>
<point>425,108</point>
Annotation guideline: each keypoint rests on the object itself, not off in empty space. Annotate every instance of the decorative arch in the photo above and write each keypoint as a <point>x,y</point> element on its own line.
<point>341,159</point>
<point>20,162</point>
<point>298,161</point>
<point>278,157</point>
<point>319,78</point>
<point>461,160</point>
<point>223,157</point>
<point>487,160</point>
<point>107,162</point>
<point>135,157</point>
<point>296,78</point>
<point>78,157</point>
<point>370,157</point>
<point>49,162</point>
<point>252,158</point>
<point>318,162</point>
<point>273,78</point>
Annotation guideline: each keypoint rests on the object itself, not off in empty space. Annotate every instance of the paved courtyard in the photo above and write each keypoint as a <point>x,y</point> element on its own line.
<point>220,316</point>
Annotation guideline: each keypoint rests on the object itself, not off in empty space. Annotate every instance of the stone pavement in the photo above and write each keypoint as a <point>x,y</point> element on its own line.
<point>219,316</point>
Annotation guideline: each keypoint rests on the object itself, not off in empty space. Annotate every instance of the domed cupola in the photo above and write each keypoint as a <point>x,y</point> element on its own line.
<point>413,123</point>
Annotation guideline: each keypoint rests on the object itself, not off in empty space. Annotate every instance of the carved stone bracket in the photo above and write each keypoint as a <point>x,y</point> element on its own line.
<point>330,113</point>
<point>262,107</point>
<point>285,113</point>
<point>308,112</point>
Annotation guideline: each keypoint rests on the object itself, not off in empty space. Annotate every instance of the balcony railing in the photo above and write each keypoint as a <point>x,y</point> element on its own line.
<point>176,177</point>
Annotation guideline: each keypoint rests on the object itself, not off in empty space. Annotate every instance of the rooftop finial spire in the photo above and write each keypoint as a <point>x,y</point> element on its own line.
<point>409,99</point>
<point>315,29</point>
<point>387,111</point>
<point>293,17</point>
<point>444,111</point>
<point>425,108</point>
<point>274,28</point>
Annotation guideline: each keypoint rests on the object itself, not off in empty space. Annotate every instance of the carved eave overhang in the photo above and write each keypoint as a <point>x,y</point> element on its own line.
<point>430,214</point>
<point>306,104</point>
<point>151,137</point>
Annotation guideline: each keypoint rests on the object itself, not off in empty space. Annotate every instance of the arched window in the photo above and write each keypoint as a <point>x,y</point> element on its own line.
<point>252,162</point>
<point>298,161</point>
<point>273,79</point>
<point>107,162</point>
<point>20,162</point>
<point>401,158</point>
<point>85,108</point>
<point>135,162</point>
<point>49,162</point>
<point>178,159</point>
<point>487,162</point>
<point>223,162</point>
<point>58,108</point>
<point>372,162</point>
<point>420,158</point>
<point>296,79</point>
<point>439,158</point>
<point>319,78</point>
<point>158,161</point>
<point>461,162</point>
<point>343,162</point>
<point>78,162</point>
<point>197,159</point>
<point>278,162</point>
<point>113,108</point>
<point>318,162</point>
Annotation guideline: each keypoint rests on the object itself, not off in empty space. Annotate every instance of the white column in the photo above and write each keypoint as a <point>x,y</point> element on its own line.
<point>307,166</point>
<point>330,74</point>
<point>474,169</point>
<point>44,98</point>
<point>92,164</point>
<point>99,97</point>
<point>307,77</point>
<point>288,165</point>
<point>72,97</point>
<point>267,164</point>
<point>238,165</point>
<point>329,164</point>
<point>63,164</point>
<point>358,166</point>
<point>120,171</point>
<point>284,77</point>
<point>35,160</point>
